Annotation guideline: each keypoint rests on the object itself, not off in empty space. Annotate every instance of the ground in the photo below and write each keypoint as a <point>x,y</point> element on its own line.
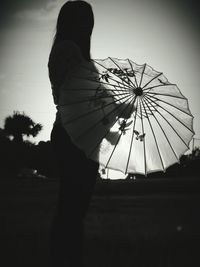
<point>130,223</point>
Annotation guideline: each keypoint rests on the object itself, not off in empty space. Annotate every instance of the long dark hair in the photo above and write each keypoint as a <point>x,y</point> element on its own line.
<point>75,22</point>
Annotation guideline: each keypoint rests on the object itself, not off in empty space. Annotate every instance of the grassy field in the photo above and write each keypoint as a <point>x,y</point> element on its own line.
<point>130,224</point>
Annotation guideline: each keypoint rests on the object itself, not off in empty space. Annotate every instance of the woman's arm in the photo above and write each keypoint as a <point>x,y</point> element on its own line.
<point>63,58</point>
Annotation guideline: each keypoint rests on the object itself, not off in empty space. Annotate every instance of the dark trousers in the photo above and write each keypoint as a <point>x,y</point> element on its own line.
<point>77,180</point>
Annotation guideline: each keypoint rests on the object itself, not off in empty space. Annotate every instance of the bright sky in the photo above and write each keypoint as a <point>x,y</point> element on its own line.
<point>163,34</point>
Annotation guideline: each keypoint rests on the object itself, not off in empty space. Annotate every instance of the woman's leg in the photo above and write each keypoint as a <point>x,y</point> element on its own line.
<point>77,181</point>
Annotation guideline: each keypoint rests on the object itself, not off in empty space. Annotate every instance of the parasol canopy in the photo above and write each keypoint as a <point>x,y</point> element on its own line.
<point>126,116</point>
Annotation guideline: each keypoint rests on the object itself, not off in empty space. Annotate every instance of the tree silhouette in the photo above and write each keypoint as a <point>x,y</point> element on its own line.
<point>19,124</point>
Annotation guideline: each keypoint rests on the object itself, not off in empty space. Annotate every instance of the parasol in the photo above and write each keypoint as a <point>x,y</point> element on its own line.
<point>126,116</point>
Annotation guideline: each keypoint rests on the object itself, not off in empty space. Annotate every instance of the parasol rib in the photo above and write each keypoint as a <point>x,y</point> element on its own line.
<point>133,72</point>
<point>119,137</point>
<point>170,112</point>
<point>162,130</point>
<point>100,74</point>
<point>101,89</point>
<point>95,110</point>
<point>100,121</point>
<point>161,160</point>
<point>108,133</point>
<point>123,72</point>
<point>168,123</point>
<point>89,100</point>
<point>142,75</point>
<point>168,95</point>
<point>101,82</point>
<point>163,101</point>
<point>127,84</point>
<point>144,146</point>
<point>160,85</point>
<point>152,80</point>
<point>132,136</point>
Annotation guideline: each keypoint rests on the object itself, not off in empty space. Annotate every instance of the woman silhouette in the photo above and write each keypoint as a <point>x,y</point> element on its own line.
<point>77,173</point>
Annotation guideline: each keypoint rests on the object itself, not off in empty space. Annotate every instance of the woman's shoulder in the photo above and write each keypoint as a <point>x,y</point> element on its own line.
<point>66,48</point>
